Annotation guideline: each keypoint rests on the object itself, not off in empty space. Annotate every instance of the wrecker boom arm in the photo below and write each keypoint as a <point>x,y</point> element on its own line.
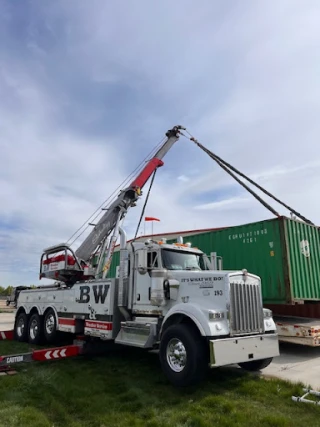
<point>125,199</point>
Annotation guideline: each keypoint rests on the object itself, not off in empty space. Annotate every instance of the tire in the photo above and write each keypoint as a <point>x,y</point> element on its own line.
<point>35,329</point>
<point>7,303</point>
<point>50,326</point>
<point>256,365</point>
<point>21,327</point>
<point>192,352</point>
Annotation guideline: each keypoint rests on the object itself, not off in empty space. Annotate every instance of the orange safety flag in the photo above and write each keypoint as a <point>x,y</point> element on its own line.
<point>150,218</point>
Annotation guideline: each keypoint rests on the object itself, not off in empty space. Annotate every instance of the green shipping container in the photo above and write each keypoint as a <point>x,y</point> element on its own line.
<point>114,263</point>
<point>283,252</point>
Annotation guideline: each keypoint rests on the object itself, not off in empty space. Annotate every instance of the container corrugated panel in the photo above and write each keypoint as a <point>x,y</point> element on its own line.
<point>114,263</point>
<point>255,247</point>
<point>303,247</point>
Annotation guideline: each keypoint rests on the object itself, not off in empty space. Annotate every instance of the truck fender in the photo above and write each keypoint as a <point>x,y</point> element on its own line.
<point>29,309</point>
<point>192,311</point>
<point>21,308</point>
<point>55,313</point>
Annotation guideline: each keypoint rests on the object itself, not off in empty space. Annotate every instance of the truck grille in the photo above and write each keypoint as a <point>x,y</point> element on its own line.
<point>246,313</point>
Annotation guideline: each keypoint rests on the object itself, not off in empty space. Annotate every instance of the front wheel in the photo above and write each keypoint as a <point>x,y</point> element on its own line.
<point>183,355</point>
<point>256,365</point>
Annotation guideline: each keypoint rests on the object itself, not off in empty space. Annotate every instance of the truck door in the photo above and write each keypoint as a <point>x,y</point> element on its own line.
<point>143,281</point>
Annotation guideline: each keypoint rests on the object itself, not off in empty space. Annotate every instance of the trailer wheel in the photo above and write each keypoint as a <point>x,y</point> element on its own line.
<point>50,326</point>
<point>256,365</point>
<point>21,327</point>
<point>183,355</point>
<point>35,329</point>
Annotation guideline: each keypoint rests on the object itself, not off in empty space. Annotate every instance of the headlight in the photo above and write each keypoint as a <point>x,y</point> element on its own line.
<point>216,315</point>
<point>267,314</point>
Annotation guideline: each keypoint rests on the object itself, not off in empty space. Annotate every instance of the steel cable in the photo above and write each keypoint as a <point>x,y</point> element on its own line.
<point>225,165</point>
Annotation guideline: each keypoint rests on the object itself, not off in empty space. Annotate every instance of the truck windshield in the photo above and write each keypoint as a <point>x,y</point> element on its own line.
<point>180,260</point>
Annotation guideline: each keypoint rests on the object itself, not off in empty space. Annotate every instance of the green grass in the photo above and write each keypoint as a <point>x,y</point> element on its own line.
<point>127,388</point>
<point>6,310</point>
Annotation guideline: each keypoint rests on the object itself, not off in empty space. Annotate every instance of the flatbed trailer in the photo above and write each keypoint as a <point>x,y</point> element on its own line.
<point>298,330</point>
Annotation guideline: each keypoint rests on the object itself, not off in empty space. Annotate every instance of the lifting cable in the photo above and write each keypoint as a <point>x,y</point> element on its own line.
<point>265,204</point>
<point>145,204</point>
<point>226,166</point>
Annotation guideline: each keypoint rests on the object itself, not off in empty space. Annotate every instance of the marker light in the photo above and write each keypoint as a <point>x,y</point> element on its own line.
<point>213,315</point>
<point>267,313</point>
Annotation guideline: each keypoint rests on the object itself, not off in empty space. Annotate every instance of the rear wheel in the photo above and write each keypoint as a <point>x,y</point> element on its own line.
<point>256,365</point>
<point>21,327</point>
<point>35,329</point>
<point>183,355</point>
<point>50,326</point>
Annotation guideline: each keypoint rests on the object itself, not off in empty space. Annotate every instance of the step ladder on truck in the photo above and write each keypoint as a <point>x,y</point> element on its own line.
<point>168,297</point>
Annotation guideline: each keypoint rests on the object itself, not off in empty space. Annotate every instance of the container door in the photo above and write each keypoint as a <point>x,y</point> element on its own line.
<point>303,245</point>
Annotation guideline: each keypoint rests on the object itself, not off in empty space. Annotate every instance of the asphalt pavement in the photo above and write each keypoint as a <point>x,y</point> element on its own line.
<point>6,322</point>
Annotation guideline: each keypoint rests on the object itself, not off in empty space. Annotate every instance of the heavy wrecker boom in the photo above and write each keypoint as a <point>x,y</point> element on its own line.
<point>69,266</point>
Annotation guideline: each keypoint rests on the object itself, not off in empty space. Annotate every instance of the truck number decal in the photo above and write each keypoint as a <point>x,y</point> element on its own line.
<point>100,293</point>
<point>218,293</point>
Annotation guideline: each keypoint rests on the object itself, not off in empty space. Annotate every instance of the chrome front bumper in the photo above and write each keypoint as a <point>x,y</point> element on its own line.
<point>243,349</point>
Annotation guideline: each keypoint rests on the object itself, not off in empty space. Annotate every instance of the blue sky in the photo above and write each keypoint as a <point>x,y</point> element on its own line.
<point>87,89</point>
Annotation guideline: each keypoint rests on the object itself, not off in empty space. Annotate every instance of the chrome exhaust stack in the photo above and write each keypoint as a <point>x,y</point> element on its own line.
<point>123,275</point>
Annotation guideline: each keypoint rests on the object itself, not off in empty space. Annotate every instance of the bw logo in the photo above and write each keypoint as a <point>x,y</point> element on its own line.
<point>92,314</point>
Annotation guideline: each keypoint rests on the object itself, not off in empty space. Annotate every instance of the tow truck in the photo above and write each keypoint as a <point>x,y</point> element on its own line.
<point>168,298</point>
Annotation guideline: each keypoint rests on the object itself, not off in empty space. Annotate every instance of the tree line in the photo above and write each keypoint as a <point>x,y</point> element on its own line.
<point>5,291</point>
<point>8,290</point>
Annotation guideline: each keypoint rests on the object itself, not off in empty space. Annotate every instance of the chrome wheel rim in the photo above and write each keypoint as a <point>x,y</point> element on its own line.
<point>50,322</point>
<point>176,355</point>
<point>20,327</point>
<point>34,328</point>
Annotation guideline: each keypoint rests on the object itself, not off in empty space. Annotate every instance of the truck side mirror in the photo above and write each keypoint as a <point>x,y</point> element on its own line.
<point>142,260</point>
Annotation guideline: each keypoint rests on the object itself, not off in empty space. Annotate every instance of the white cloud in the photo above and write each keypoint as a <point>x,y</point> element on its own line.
<point>224,205</point>
<point>183,178</point>
<point>89,90</point>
